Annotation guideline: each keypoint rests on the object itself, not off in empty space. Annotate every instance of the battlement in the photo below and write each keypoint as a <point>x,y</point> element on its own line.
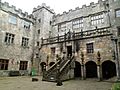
<point>6,7</point>
<point>43,6</point>
<point>91,5</point>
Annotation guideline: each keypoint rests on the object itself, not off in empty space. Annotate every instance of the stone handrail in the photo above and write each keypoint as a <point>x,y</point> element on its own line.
<point>78,35</point>
<point>52,66</point>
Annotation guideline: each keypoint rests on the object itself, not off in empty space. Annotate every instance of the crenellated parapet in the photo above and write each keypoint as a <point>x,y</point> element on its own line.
<point>18,12</point>
<point>43,6</point>
<point>91,6</point>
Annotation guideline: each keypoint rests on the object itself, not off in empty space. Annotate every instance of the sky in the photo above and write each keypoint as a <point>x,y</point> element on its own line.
<point>59,6</point>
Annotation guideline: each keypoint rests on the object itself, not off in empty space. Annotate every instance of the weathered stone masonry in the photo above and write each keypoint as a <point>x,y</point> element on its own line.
<point>98,22</point>
<point>14,49</point>
<point>83,32</point>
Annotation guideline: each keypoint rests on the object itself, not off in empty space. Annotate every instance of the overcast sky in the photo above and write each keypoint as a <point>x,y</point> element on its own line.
<point>59,6</point>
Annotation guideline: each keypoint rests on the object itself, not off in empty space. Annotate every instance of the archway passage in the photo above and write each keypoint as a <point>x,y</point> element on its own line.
<point>77,69</point>
<point>51,63</point>
<point>42,65</point>
<point>108,69</point>
<point>91,69</point>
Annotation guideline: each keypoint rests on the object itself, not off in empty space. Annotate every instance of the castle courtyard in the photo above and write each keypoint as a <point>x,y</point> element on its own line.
<point>25,83</point>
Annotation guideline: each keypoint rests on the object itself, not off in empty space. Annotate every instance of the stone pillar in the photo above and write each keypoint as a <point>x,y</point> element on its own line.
<point>83,73</point>
<point>73,45</point>
<point>73,48</point>
<point>64,50</point>
<point>99,72</point>
<point>44,70</point>
<point>64,46</point>
<point>99,69</point>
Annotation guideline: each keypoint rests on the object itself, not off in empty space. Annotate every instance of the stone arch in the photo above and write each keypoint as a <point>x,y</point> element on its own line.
<point>77,69</point>
<point>42,65</point>
<point>91,69</point>
<point>108,69</point>
<point>51,63</point>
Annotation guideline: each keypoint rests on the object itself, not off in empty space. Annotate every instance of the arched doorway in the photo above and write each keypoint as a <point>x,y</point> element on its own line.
<point>77,69</point>
<point>91,69</point>
<point>42,65</point>
<point>108,69</point>
<point>51,63</point>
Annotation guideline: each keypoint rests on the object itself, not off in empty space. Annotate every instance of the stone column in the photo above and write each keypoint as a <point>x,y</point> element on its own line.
<point>73,45</point>
<point>83,74</point>
<point>44,70</point>
<point>64,46</point>
<point>99,72</point>
<point>99,69</point>
<point>73,48</point>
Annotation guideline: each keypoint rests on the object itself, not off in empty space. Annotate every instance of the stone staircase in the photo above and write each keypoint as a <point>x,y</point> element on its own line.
<point>65,67</point>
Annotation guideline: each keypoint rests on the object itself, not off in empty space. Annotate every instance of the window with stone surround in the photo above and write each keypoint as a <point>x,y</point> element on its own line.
<point>13,19</point>
<point>9,38</point>
<point>117,12</point>
<point>4,64</point>
<point>25,42</point>
<point>77,23</point>
<point>97,19</point>
<point>62,27</point>
<point>90,48</point>
<point>23,65</point>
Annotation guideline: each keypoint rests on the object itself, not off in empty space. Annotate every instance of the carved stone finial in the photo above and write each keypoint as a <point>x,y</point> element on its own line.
<point>43,5</point>
<point>98,54</point>
<point>84,6</point>
<point>98,57</point>
<point>82,58</point>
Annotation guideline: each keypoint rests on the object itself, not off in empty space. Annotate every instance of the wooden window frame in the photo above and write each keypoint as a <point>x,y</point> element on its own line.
<point>77,23</point>
<point>97,19</point>
<point>90,47</point>
<point>23,65</point>
<point>4,64</point>
<point>9,38</point>
<point>25,42</point>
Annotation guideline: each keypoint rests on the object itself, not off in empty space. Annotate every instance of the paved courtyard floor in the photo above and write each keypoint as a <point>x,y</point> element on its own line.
<point>25,83</point>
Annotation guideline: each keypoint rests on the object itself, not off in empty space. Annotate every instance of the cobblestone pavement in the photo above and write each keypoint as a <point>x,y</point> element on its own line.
<point>25,83</point>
